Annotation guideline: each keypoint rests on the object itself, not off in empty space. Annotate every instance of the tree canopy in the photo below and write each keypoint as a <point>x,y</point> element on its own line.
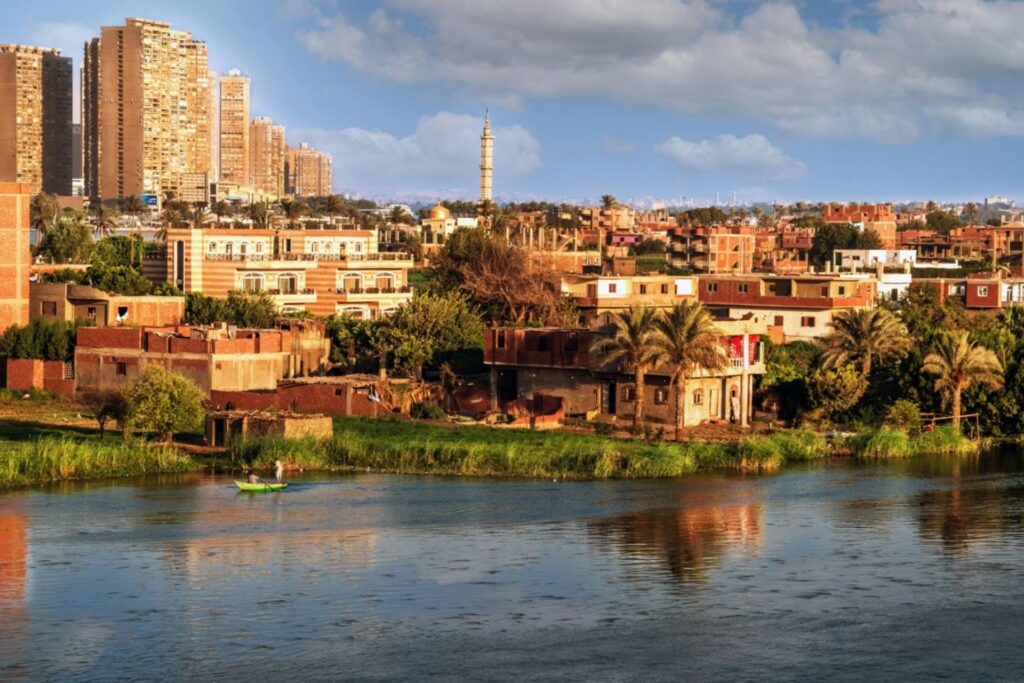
<point>164,402</point>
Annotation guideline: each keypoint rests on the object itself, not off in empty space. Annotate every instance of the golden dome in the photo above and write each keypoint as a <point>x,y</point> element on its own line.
<point>440,213</point>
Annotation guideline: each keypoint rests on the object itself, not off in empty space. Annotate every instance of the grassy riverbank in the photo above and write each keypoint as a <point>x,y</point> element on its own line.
<point>417,447</point>
<point>883,443</point>
<point>50,459</point>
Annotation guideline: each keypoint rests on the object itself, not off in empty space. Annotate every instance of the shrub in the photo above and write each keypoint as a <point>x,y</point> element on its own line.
<point>833,392</point>
<point>903,415</point>
<point>427,411</point>
<point>164,402</point>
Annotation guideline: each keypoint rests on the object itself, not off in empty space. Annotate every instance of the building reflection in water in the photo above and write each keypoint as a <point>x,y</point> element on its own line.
<point>688,540</point>
<point>13,582</point>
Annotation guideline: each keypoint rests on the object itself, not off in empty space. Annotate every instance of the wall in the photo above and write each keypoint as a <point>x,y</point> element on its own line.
<point>14,253</point>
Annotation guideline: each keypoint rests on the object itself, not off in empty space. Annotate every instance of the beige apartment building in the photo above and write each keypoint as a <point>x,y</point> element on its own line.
<point>266,156</point>
<point>146,109</point>
<point>308,172</point>
<point>35,118</point>
<point>234,128</point>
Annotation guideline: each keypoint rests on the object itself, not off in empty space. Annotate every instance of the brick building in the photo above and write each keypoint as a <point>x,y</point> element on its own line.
<point>596,295</point>
<point>15,255</point>
<point>216,358</point>
<point>796,307</point>
<point>877,217</point>
<point>69,302</point>
<point>716,249</point>
<point>527,363</point>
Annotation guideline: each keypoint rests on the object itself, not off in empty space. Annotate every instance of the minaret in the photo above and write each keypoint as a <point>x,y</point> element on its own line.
<point>486,159</point>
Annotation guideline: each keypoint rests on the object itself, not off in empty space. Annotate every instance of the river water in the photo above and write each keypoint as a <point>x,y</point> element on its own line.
<point>836,571</point>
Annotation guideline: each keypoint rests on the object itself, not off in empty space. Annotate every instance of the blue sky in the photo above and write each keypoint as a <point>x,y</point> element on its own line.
<point>644,99</point>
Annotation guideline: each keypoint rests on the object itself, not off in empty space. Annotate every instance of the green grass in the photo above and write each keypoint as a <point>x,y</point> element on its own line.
<point>49,459</point>
<point>414,447</point>
<point>885,442</point>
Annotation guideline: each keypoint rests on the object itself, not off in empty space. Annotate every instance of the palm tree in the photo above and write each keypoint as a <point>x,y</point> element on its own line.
<point>259,214</point>
<point>971,211</point>
<point>608,201</point>
<point>686,339</point>
<point>632,347</point>
<point>293,210</point>
<point>957,363</point>
<point>197,216</point>
<point>104,220</point>
<point>863,336</point>
<point>222,208</point>
<point>43,213</point>
<point>332,204</point>
<point>398,215</point>
<point>134,206</point>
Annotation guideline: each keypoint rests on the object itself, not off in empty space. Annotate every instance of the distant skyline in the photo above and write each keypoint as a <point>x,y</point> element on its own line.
<point>892,100</point>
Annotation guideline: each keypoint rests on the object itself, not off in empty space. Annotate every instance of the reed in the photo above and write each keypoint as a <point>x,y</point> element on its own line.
<point>885,442</point>
<point>49,459</point>
<point>417,447</point>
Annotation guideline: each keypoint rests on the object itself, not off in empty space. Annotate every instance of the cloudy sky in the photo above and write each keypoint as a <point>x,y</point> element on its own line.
<point>645,99</point>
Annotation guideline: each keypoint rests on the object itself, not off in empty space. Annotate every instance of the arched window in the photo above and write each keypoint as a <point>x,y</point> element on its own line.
<point>385,282</point>
<point>352,282</point>
<point>314,247</point>
<point>356,312</point>
<point>242,248</point>
<point>229,248</point>
<point>288,283</point>
<point>389,310</point>
<point>252,282</point>
<point>698,397</point>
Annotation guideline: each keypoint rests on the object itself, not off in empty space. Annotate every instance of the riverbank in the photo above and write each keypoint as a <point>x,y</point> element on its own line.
<point>422,448</point>
<point>50,459</point>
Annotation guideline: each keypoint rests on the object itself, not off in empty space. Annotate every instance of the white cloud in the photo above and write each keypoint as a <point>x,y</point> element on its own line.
<point>924,59</point>
<point>444,148</point>
<point>752,156</point>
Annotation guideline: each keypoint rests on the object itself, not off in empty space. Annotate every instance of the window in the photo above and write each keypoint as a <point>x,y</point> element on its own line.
<point>643,289</point>
<point>824,290</point>
<point>660,396</point>
<point>352,282</point>
<point>743,288</point>
<point>122,369</point>
<point>314,247</point>
<point>242,248</point>
<point>544,343</point>
<point>779,321</point>
<point>49,308</point>
<point>259,247</point>
<point>628,394</point>
<point>90,313</point>
<point>807,321</point>
<point>698,397</point>
<point>212,246</point>
<point>288,283</point>
<point>842,290</point>
<point>252,282</point>
<point>338,391</point>
<point>664,289</point>
<point>712,286</point>
<point>982,291</point>
<point>613,287</point>
<point>501,339</point>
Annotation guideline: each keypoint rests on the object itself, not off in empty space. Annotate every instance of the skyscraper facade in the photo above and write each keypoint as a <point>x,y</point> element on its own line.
<point>309,172</point>
<point>266,156</point>
<point>146,109</point>
<point>35,118</point>
<point>234,128</point>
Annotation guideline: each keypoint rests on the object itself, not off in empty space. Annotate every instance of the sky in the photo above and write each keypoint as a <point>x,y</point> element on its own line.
<point>648,100</point>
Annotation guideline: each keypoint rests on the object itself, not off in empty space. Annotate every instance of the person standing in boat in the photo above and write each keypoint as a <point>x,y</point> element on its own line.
<point>280,469</point>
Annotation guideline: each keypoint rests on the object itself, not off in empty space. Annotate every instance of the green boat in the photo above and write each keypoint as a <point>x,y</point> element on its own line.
<point>261,486</point>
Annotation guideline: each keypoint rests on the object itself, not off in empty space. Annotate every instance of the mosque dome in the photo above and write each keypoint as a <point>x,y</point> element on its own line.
<point>440,213</point>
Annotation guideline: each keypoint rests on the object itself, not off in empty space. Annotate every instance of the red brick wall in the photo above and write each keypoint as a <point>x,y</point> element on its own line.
<point>110,337</point>
<point>24,374</point>
<point>14,253</point>
<point>306,398</point>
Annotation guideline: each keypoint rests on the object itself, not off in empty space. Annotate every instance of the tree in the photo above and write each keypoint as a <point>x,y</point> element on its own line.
<point>43,213</point>
<point>632,347</point>
<point>863,336</point>
<point>251,310</point>
<point>70,241</point>
<point>222,208</point>
<point>135,207</point>
<point>957,363</point>
<point>836,390</point>
<point>116,251</point>
<point>164,402</point>
<point>830,237</point>
<point>41,339</point>
<point>106,406</point>
<point>650,246</point>
<point>686,339</point>
<point>333,205</point>
<point>971,212</point>
<point>868,239</point>
<point>429,325</point>
<point>397,216</point>
<point>293,210</point>
<point>122,280</point>
<point>941,221</point>
<point>104,219</point>
<point>608,201</point>
<point>260,215</point>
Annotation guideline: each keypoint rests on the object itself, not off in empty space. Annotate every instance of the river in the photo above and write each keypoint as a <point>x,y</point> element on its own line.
<point>838,571</point>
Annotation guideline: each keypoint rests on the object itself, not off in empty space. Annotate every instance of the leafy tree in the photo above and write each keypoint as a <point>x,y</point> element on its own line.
<point>686,339</point>
<point>117,251</point>
<point>69,241</point>
<point>106,406</point>
<point>835,391</point>
<point>118,280</point>
<point>957,363</point>
<point>244,309</point>
<point>41,339</point>
<point>706,216</point>
<point>862,336</point>
<point>808,222</point>
<point>650,246</point>
<point>632,347</point>
<point>787,369</point>
<point>942,222</point>
<point>903,415</point>
<point>830,237</point>
<point>164,402</point>
<point>429,325</point>
<point>867,239</point>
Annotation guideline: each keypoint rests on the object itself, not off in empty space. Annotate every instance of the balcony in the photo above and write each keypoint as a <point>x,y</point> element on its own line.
<point>288,296</point>
<point>379,257</point>
<point>373,293</point>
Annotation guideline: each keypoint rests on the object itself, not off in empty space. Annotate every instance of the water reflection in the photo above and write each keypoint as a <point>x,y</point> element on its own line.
<point>970,509</point>
<point>14,621</point>
<point>688,540</point>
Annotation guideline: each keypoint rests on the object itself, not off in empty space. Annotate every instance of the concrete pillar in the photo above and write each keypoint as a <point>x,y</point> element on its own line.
<point>745,384</point>
<point>494,389</point>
